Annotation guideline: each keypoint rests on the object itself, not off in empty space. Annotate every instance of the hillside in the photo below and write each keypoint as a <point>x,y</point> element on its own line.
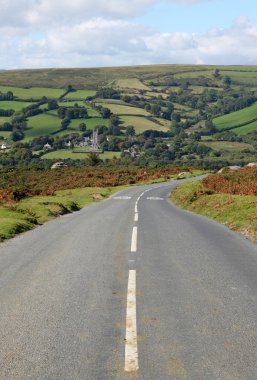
<point>147,114</point>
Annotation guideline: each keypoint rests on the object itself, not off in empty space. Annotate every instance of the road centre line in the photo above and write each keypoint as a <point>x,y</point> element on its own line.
<point>122,197</point>
<point>136,210</point>
<point>136,217</point>
<point>131,350</point>
<point>134,240</point>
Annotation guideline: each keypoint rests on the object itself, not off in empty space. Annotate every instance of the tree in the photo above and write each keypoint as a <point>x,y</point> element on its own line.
<point>155,110</point>
<point>82,127</point>
<point>52,104</point>
<point>216,73</point>
<point>93,159</point>
<point>130,130</point>
<point>65,123</point>
<point>227,81</point>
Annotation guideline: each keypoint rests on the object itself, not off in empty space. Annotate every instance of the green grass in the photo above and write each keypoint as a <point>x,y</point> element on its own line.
<point>29,212</point>
<point>63,154</point>
<point>34,92</point>
<point>91,123</point>
<point>12,222</point>
<point>196,73</point>
<point>130,83</point>
<point>13,105</point>
<point>80,94</point>
<point>4,119</point>
<point>246,128</point>
<point>245,76</point>
<point>237,118</point>
<point>125,110</point>
<point>141,124</point>
<point>236,211</point>
<point>42,125</point>
<point>152,94</point>
<point>228,145</point>
<point>5,134</point>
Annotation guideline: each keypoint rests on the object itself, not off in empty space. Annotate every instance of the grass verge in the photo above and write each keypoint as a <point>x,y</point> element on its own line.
<point>26,214</point>
<point>238,212</point>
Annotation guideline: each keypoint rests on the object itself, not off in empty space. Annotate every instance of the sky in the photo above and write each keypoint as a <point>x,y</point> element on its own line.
<point>95,33</point>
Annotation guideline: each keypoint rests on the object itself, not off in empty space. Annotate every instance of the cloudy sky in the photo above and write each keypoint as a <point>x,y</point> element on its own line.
<point>92,33</point>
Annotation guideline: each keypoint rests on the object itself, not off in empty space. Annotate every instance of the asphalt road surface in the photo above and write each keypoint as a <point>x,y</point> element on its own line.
<point>127,288</point>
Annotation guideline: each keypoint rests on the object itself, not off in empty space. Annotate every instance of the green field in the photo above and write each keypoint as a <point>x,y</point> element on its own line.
<point>80,94</point>
<point>42,125</point>
<point>242,77</point>
<point>63,154</point>
<point>13,105</point>
<point>229,146</point>
<point>152,94</point>
<point>4,119</point>
<point>35,92</point>
<point>141,124</point>
<point>246,128</point>
<point>130,83</point>
<point>91,123</point>
<point>125,110</point>
<point>237,118</point>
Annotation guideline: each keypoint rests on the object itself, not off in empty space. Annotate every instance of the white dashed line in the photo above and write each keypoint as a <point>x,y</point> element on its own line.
<point>123,197</point>
<point>134,240</point>
<point>136,217</point>
<point>131,351</point>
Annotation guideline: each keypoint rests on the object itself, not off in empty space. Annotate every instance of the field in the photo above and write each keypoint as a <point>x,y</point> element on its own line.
<point>90,123</point>
<point>80,94</point>
<point>42,125</point>
<point>13,105</point>
<point>236,119</point>
<point>166,86</point>
<point>141,124</point>
<point>229,146</point>
<point>246,128</point>
<point>65,154</point>
<point>35,92</point>
<point>125,110</point>
<point>130,83</point>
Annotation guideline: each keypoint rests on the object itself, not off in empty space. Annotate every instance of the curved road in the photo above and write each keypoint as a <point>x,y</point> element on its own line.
<point>127,288</point>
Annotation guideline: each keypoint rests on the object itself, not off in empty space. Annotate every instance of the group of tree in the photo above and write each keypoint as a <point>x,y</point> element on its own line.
<point>6,96</point>
<point>72,113</point>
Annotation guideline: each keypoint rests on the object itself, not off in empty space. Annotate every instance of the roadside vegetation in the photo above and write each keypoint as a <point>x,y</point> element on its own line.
<point>29,197</point>
<point>229,197</point>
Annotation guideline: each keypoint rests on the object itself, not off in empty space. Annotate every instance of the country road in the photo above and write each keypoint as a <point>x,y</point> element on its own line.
<point>129,288</point>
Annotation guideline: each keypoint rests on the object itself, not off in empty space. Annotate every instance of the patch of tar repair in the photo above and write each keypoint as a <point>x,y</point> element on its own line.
<point>175,368</point>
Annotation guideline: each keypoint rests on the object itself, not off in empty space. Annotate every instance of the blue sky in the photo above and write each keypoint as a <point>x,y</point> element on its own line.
<point>93,33</point>
<point>198,17</point>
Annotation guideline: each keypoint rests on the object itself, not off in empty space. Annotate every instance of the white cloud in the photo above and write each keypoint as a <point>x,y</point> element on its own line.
<point>65,33</point>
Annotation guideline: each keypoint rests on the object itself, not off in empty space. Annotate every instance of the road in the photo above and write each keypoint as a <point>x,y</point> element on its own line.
<point>130,287</point>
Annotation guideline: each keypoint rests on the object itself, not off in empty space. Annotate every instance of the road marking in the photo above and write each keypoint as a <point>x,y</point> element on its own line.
<point>155,198</point>
<point>136,211</point>
<point>124,197</point>
<point>136,217</point>
<point>134,240</point>
<point>131,351</point>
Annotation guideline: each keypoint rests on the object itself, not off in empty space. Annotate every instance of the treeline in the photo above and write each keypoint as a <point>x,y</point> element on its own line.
<point>6,96</point>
